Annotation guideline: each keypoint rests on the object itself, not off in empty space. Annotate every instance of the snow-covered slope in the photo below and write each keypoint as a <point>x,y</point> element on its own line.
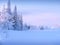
<point>30,36</point>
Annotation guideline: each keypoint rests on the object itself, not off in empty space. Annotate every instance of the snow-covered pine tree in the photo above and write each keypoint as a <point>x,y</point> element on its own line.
<point>5,17</point>
<point>15,25</point>
<point>7,24</point>
<point>18,23</point>
<point>21,22</point>
<point>9,14</point>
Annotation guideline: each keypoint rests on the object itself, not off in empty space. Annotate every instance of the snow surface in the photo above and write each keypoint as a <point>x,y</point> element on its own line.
<point>30,36</point>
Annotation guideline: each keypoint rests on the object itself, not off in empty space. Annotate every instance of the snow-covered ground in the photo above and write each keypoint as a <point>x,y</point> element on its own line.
<point>36,36</point>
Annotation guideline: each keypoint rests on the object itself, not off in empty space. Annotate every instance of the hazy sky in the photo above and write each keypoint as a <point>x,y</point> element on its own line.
<point>37,12</point>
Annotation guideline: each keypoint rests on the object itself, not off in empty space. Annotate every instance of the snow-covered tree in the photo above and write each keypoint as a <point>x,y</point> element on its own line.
<point>7,24</point>
<point>17,20</point>
<point>9,20</point>
<point>3,19</point>
<point>21,22</point>
<point>15,24</point>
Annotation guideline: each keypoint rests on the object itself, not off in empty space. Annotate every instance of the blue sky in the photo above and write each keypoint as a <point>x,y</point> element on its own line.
<point>38,12</point>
